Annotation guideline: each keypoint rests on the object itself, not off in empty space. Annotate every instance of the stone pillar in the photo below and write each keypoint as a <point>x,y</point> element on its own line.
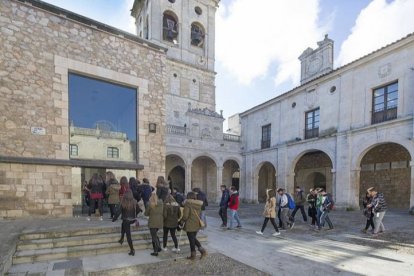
<point>412,188</point>
<point>353,198</point>
<point>290,183</point>
<point>188,178</point>
<point>333,172</point>
<point>219,183</point>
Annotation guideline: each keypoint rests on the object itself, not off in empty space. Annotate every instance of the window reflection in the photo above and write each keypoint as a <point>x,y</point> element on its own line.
<point>102,119</point>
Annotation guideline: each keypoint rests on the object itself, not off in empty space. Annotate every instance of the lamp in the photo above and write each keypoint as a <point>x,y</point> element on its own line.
<point>152,127</point>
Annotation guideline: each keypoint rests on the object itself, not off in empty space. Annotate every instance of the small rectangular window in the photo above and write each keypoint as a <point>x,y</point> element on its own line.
<point>266,136</point>
<point>73,149</point>
<point>312,124</point>
<point>385,103</point>
<point>113,152</point>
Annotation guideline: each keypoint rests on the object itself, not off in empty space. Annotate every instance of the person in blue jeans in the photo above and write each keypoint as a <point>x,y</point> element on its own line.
<point>224,202</point>
<point>325,209</point>
<point>234,207</point>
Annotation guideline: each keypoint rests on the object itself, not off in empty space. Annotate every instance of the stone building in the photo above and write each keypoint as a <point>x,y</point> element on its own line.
<point>56,67</point>
<point>349,128</point>
<point>198,153</point>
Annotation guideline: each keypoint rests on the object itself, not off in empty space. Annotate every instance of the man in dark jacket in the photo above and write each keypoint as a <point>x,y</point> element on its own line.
<point>300,200</point>
<point>379,207</point>
<point>179,197</point>
<point>203,197</point>
<point>146,190</point>
<point>224,202</point>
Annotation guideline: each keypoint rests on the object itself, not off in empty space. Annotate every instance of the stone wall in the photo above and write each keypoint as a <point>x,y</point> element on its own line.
<point>39,49</point>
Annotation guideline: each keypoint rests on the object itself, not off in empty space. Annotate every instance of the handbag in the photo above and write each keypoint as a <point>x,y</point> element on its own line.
<point>202,224</point>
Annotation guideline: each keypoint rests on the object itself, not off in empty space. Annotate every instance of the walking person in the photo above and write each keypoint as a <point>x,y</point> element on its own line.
<point>270,212</point>
<point>234,207</point>
<point>225,196</point>
<point>366,200</point>
<point>326,207</point>
<point>146,191</point>
<point>179,197</point>
<point>284,209</point>
<point>129,209</point>
<point>203,197</point>
<point>155,212</point>
<point>171,213</point>
<point>162,188</point>
<point>300,200</point>
<point>133,185</point>
<point>112,191</point>
<point>379,207</point>
<point>124,186</point>
<point>192,224</point>
<point>95,188</point>
<point>312,212</point>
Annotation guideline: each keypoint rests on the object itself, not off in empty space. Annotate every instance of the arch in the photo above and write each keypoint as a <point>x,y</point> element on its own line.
<point>266,179</point>
<point>170,26</point>
<point>176,178</point>
<point>204,175</point>
<point>232,158</point>
<point>231,173</point>
<point>386,166</point>
<point>329,153</point>
<point>197,34</point>
<point>173,160</point>
<point>314,167</point>
<point>205,154</point>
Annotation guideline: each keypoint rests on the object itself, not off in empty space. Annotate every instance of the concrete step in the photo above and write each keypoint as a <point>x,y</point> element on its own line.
<point>77,232</point>
<point>41,255</point>
<point>92,239</point>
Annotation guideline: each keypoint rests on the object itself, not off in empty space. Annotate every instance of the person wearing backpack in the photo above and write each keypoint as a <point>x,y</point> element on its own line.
<point>300,200</point>
<point>284,201</point>
<point>326,207</point>
<point>146,191</point>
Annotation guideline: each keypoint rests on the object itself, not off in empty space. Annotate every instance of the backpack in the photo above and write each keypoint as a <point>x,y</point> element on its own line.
<point>291,202</point>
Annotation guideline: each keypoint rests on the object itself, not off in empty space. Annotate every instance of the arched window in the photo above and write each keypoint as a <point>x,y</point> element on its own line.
<point>170,27</point>
<point>197,35</point>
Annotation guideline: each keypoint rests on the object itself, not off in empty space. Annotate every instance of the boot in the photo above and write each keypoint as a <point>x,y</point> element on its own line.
<point>193,256</point>
<point>203,252</point>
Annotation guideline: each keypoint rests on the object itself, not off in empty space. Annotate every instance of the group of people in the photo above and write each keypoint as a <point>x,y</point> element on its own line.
<point>166,209</point>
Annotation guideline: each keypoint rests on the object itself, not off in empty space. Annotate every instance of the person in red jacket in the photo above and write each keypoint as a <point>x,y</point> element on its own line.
<point>234,206</point>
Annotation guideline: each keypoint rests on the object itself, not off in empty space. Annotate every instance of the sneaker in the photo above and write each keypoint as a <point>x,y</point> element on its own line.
<point>223,226</point>
<point>331,228</point>
<point>281,229</point>
<point>239,226</point>
<point>101,218</point>
<point>292,225</point>
<point>259,233</point>
<point>228,228</point>
<point>276,234</point>
<point>88,218</point>
<point>176,250</point>
<point>165,249</point>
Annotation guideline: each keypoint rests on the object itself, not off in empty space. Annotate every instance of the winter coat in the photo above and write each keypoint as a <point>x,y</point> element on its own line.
<point>123,190</point>
<point>202,196</point>
<point>127,214</point>
<point>234,201</point>
<point>225,198</point>
<point>172,213</point>
<point>97,190</point>
<point>179,198</point>
<point>299,198</point>
<point>270,208</point>
<point>191,216</point>
<point>378,203</point>
<point>311,199</point>
<point>156,215</point>
<point>113,191</point>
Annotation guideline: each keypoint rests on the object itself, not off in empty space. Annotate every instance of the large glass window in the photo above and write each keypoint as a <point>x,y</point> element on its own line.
<point>312,124</point>
<point>102,115</point>
<point>266,136</point>
<point>385,103</point>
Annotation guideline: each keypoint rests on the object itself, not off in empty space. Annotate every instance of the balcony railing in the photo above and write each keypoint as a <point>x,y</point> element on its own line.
<point>265,144</point>
<point>177,130</point>
<point>312,133</point>
<point>383,115</point>
<point>231,137</point>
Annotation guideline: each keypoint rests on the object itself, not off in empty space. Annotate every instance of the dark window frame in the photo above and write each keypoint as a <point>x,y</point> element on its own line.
<point>169,33</point>
<point>266,136</point>
<point>313,131</point>
<point>197,35</point>
<point>72,148</point>
<point>387,112</point>
<point>112,152</point>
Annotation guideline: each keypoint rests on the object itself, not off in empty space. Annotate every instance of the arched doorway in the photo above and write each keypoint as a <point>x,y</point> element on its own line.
<point>175,170</point>
<point>204,176</point>
<point>231,174</point>
<point>314,170</point>
<point>386,167</point>
<point>266,180</point>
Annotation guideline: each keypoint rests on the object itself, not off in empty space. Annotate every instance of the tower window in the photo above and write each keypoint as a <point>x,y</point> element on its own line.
<point>197,35</point>
<point>170,27</point>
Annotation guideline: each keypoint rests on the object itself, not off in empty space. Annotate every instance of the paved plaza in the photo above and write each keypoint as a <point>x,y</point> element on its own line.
<point>300,251</point>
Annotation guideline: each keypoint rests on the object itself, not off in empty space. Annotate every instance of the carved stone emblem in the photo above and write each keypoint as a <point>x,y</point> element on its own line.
<point>384,70</point>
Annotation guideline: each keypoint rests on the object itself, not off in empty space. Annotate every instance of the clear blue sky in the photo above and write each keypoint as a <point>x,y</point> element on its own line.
<point>258,42</point>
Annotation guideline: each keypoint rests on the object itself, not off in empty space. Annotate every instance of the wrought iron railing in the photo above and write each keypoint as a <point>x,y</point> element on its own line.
<point>312,133</point>
<point>177,130</point>
<point>265,144</point>
<point>231,137</point>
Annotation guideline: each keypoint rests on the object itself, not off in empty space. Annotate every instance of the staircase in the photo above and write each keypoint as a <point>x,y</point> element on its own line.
<point>62,245</point>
